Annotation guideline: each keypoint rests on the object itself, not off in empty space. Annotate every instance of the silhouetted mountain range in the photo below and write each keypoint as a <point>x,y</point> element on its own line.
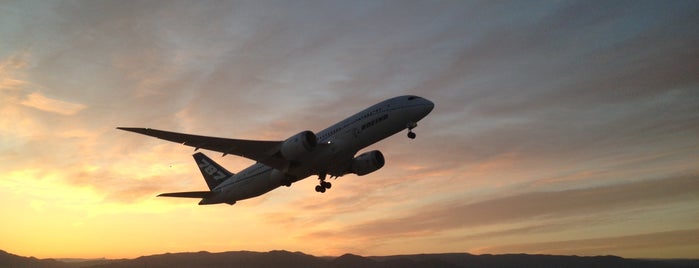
<point>297,259</point>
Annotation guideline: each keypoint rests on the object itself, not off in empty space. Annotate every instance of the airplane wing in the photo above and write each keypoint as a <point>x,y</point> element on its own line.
<point>201,194</point>
<point>265,152</point>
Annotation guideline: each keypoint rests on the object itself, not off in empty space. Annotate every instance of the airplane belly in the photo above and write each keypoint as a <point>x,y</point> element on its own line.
<point>392,125</point>
<point>252,186</point>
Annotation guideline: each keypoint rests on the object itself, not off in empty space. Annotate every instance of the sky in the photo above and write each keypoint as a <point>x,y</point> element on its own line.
<point>560,127</point>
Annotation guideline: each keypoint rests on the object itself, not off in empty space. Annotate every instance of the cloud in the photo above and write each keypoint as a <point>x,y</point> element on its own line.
<point>675,243</point>
<point>41,102</point>
<point>15,80</point>
<point>445,216</point>
<point>12,72</point>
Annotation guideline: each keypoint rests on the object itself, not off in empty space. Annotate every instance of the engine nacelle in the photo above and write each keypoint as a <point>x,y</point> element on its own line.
<point>367,163</point>
<point>298,145</point>
<point>277,177</point>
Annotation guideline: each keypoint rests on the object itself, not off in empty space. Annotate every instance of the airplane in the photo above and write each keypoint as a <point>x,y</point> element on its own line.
<point>329,152</point>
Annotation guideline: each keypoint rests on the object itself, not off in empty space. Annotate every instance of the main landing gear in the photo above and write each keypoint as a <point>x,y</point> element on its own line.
<point>410,126</point>
<point>324,185</point>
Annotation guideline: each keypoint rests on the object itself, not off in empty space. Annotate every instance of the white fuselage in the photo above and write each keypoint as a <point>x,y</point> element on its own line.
<point>336,148</point>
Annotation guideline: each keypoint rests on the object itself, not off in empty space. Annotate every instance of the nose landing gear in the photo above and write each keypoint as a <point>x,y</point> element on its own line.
<point>410,126</point>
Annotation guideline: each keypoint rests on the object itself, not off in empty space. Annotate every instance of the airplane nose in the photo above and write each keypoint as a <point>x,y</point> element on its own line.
<point>430,105</point>
<point>425,108</point>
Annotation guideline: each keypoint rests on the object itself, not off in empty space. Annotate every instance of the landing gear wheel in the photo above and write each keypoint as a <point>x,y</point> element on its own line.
<point>326,184</point>
<point>410,127</point>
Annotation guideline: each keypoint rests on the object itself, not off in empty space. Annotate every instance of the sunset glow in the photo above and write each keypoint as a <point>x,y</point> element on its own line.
<point>559,127</point>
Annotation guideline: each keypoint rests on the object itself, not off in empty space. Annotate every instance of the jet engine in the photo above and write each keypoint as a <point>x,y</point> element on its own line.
<point>298,145</point>
<point>277,177</point>
<point>367,163</point>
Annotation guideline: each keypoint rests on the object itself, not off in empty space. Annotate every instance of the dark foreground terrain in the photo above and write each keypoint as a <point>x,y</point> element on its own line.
<point>296,259</point>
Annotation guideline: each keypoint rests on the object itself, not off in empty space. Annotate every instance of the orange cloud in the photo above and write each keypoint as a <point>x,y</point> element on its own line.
<point>445,216</point>
<point>679,244</point>
<point>38,101</point>
<point>11,72</point>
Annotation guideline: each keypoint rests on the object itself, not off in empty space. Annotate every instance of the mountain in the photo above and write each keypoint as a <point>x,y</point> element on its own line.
<point>297,259</point>
<point>223,259</point>
<point>11,260</point>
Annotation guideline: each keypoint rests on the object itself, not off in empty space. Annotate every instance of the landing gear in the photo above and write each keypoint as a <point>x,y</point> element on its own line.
<point>324,185</point>
<point>410,126</point>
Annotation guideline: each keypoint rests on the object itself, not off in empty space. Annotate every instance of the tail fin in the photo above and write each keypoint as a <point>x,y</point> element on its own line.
<point>214,174</point>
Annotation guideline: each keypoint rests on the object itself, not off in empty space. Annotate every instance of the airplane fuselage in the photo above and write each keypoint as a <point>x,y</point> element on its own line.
<point>337,146</point>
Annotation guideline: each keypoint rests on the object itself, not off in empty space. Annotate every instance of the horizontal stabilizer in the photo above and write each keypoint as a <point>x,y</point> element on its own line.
<point>199,194</point>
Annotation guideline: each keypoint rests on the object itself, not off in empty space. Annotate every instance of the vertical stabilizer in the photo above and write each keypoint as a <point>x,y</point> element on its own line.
<point>213,173</point>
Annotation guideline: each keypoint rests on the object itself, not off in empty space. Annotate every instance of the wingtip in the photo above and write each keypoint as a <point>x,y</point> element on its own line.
<point>132,129</point>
